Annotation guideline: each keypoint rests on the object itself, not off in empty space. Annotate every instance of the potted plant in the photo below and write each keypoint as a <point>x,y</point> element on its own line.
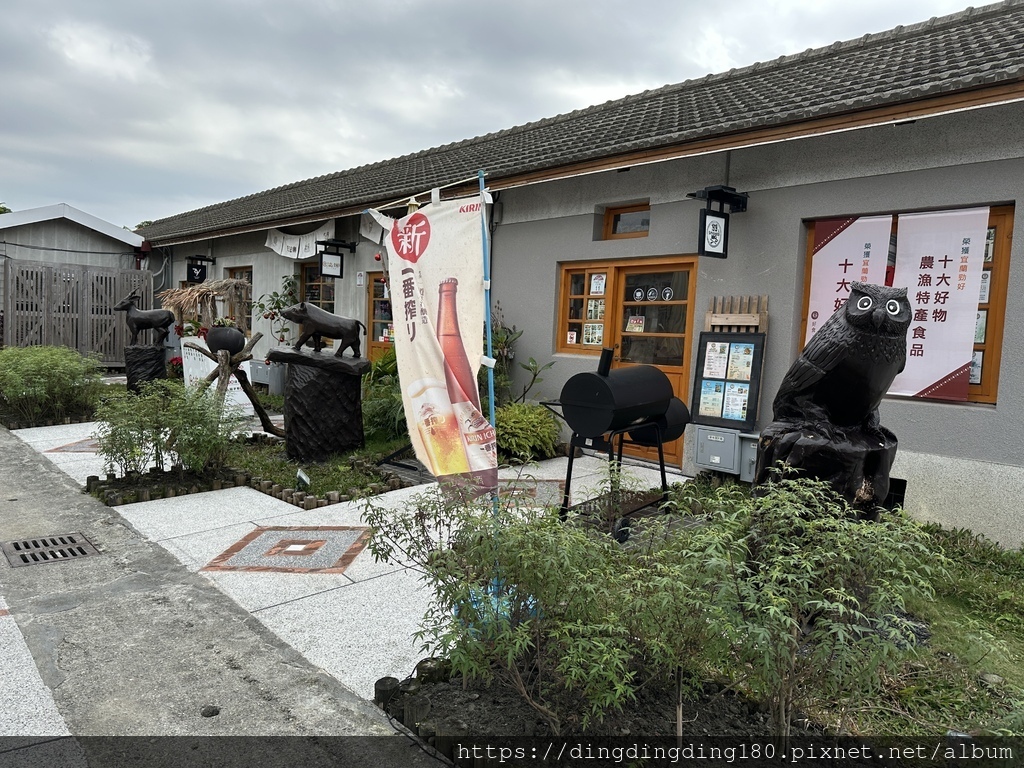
<point>190,328</point>
<point>225,335</point>
<point>175,367</point>
<point>269,306</point>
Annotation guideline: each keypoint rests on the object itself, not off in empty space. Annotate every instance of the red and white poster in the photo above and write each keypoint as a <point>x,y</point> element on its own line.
<point>436,280</point>
<point>939,258</point>
<point>849,250</point>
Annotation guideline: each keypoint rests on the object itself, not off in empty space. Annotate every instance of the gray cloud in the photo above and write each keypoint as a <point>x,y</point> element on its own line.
<point>135,111</point>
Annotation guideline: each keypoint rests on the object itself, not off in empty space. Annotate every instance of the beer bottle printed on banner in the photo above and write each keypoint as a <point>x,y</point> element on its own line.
<point>438,427</point>
<point>478,435</point>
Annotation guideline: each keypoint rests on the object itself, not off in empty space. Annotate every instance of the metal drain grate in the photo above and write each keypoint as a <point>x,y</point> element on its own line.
<point>48,549</point>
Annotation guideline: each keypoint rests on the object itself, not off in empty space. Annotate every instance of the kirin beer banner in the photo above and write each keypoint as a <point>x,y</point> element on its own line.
<point>939,258</point>
<point>435,272</point>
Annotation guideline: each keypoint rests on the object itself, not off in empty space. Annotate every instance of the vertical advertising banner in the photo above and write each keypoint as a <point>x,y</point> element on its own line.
<point>435,272</point>
<point>939,258</point>
<point>845,251</point>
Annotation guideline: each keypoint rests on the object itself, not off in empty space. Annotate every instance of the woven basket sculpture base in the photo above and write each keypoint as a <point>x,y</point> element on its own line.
<point>142,364</point>
<point>323,413</point>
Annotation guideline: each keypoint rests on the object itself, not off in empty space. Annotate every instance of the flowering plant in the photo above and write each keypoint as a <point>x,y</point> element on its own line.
<point>175,367</point>
<point>191,328</point>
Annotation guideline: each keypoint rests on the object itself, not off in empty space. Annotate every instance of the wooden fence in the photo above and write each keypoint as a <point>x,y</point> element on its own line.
<point>71,305</point>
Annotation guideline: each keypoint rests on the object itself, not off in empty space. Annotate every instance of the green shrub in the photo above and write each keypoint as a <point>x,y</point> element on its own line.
<point>526,432</point>
<point>519,596</point>
<point>271,403</point>
<point>503,350</point>
<point>47,384</point>
<point>821,596</point>
<point>164,423</point>
<point>202,429</point>
<point>271,462</point>
<point>558,611</point>
<point>383,411</point>
<point>133,428</point>
<point>503,340</point>
<point>788,594</point>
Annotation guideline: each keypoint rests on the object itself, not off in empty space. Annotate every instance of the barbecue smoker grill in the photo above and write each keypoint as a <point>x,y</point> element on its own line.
<point>634,405</point>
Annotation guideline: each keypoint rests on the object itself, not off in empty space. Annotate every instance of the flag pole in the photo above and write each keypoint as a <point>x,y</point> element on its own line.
<point>487,296</point>
<point>495,586</point>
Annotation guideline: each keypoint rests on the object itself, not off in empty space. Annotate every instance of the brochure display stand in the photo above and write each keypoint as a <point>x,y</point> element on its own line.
<point>727,385</point>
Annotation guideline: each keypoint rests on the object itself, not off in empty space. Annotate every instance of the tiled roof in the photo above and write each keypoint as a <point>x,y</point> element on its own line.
<point>976,48</point>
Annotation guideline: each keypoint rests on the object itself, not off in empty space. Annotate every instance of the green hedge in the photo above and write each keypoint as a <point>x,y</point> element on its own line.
<point>40,385</point>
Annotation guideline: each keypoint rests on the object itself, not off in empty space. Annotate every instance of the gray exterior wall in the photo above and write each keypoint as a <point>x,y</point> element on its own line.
<point>269,268</point>
<point>957,160</point>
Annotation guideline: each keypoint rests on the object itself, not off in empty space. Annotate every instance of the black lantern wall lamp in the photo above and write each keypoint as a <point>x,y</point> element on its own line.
<point>714,225</point>
<point>331,264</point>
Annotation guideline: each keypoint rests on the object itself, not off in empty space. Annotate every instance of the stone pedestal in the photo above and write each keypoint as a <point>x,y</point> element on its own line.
<point>323,412</point>
<point>854,460</point>
<point>142,364</point>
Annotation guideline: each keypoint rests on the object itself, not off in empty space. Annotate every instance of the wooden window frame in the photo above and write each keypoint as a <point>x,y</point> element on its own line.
<point>235,273</point>
<point>612,269</point>
<point>321,281</point>
<point>375,347</point>
<point>609,232</point>
<point>587,270</point>
<point>1001,218</point>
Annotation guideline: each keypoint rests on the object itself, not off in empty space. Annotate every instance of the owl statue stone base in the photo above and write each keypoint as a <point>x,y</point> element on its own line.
<point>826,421</point>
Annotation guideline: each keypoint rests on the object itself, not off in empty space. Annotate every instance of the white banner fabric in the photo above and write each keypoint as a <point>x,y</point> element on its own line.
<point>298,246</point>
<point>435,273</point>
<point>370,229</point>
<point>197,366</point>
<point>845,251</point>
<point>939,258</point>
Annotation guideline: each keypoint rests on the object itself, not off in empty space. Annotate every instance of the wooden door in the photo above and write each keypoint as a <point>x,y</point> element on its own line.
<point>652,323</point>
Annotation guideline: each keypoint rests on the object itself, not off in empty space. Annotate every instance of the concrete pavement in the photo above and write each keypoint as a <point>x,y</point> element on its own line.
<point>230,602</point>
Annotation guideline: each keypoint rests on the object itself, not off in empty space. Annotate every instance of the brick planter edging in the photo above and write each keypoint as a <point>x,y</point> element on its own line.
<point>114,497</point>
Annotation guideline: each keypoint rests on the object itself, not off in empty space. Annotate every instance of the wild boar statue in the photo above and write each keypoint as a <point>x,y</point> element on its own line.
<point>317,323</point>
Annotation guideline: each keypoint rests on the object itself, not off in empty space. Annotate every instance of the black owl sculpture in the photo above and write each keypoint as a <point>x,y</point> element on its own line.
<point>849,364</point>
<point>826,410</point>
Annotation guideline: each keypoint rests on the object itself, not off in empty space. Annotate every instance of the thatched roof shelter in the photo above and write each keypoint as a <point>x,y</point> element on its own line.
<point>200,300</point>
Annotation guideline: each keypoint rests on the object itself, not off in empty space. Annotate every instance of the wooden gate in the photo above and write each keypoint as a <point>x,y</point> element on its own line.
<point>71,305</point>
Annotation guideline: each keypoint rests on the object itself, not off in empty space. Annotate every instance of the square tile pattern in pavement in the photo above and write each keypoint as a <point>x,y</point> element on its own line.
<point>283,549</point>
<point>306,574</point>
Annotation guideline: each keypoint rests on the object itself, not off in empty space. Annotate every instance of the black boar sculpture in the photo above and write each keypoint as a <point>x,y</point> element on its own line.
<point>317,323</point>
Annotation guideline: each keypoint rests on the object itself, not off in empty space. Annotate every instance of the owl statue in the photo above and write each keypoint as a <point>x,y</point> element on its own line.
<point>849,364</point>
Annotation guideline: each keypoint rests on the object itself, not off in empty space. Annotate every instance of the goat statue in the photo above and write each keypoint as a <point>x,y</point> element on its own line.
<point>137,319</point>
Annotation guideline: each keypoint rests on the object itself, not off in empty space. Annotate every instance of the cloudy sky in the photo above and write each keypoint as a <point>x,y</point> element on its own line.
<point>140,110</point>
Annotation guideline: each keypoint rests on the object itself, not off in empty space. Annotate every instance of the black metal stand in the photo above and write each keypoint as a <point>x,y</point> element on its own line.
<point>608,441</point>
